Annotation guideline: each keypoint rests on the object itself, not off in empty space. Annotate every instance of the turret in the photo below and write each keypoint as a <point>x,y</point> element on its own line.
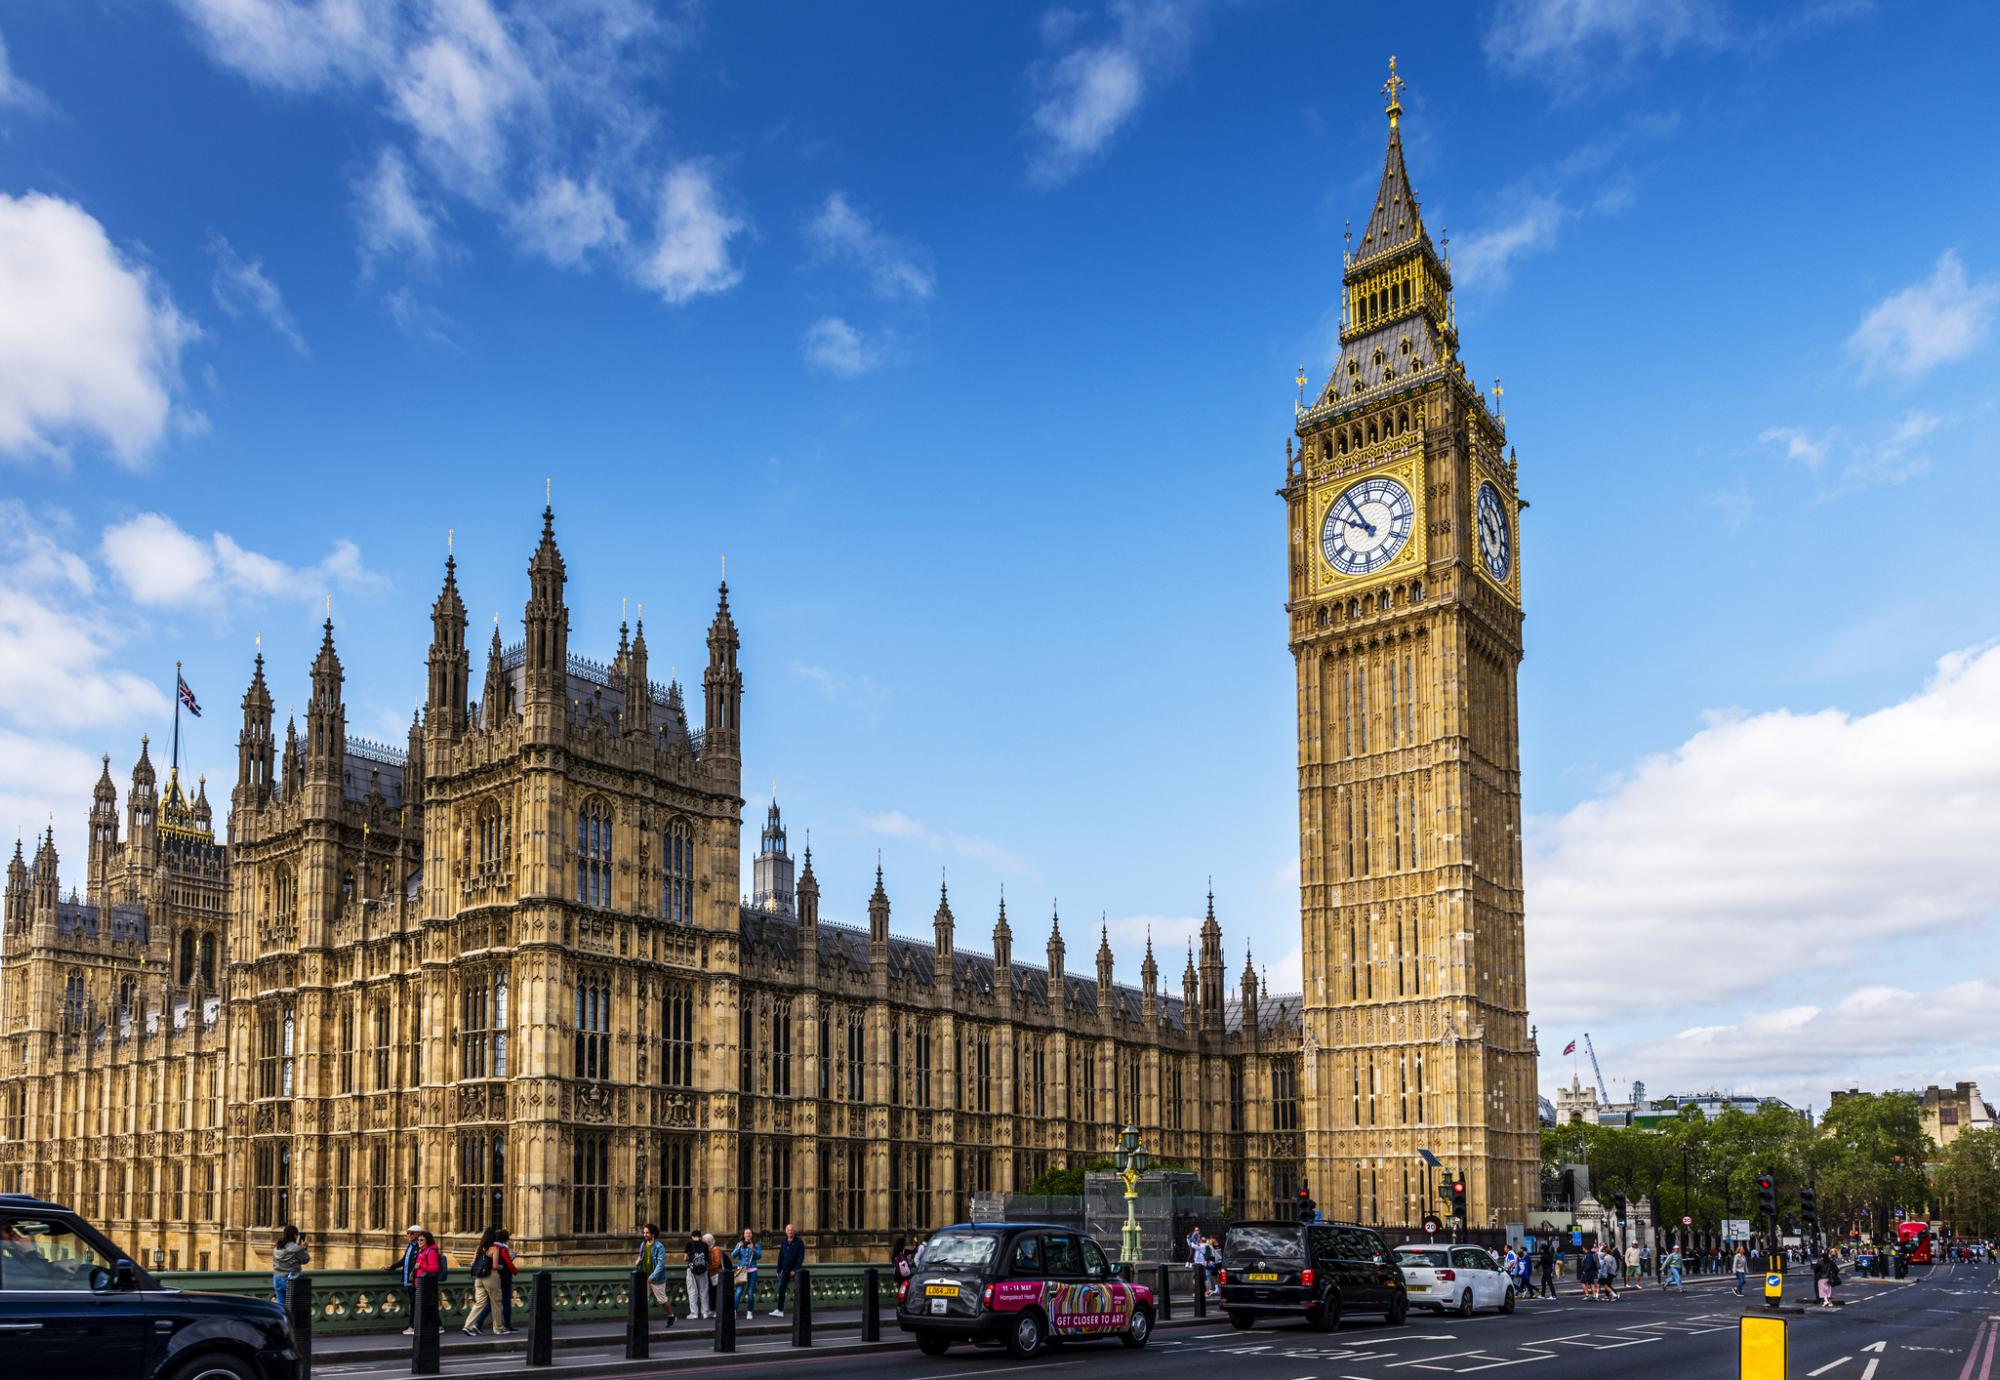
<point>43,882</point>
<point>878,910</point>
<point>413,762</point>
<point>722,687</point>
<point>450,667</point>
<point>1003,943</point>
<point>1211,968</point>
<point>941,925</point>
<point>638,688</point>
<point>1056,995</point>
<point>1190,992</point>
<point>1149,980</point>
<point>294,760</point>
<point>771,870</point>
<point>493,703</point>
<point>17,889</point>
<point>545,622</point>
<point>254,748</point>
<point>142,812</point>
<point>1104,1003</point>
<point>808,899</point>
<point>1249,993</point>
<point>204,814</point>
<point>103,835</point>
<point>326,715</point>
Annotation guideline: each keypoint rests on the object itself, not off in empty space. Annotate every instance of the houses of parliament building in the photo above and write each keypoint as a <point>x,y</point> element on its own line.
<point>505,974</point>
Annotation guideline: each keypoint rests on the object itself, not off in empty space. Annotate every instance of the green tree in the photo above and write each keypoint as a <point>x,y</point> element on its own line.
<point>1968,1183</point>
<point>1870,1160</point>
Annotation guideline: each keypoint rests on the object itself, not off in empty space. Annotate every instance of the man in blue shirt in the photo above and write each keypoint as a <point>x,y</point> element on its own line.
<point>791,1255</point>
<point>407,1264</point>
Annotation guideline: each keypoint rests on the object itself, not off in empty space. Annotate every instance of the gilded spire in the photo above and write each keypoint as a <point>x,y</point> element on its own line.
<point>1393,89</point>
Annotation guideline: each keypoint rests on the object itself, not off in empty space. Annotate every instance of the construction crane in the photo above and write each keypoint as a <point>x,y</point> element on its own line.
<point>1597,1069</point>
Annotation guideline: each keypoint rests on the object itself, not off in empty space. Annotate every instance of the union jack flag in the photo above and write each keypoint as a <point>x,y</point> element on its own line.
<point>1569,1048</point>
<point>187,696</point>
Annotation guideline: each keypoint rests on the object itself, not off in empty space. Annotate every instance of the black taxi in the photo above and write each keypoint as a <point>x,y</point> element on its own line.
<point>1019,1284</point>
<point>73,1304</point>
<point>1320,1271</point>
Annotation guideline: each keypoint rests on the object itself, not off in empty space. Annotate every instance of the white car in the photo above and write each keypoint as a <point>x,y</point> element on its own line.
<point>1454,1279</point>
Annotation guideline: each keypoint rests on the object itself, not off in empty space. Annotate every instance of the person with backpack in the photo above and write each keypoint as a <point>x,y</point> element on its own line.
<point>406,1265</point>
<point>289,1259</point>
<point>652,1263</point>
<point>485,1272</point>
<point>508,1269</point>
<point>694,1256</point>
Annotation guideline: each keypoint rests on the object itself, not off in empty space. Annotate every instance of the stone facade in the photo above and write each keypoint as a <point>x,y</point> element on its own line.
<point>504,974</point>
<point>1404,602</point>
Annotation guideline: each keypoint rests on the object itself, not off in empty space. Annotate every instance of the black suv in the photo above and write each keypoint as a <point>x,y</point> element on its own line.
<point>72,1304</point>
<point>1320,1271</point>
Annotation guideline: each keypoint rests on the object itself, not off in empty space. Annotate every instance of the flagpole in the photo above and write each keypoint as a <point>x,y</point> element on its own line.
<point>177,723</point>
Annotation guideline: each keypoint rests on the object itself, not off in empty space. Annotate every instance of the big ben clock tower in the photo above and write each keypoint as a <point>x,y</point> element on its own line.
<point>1401,514</point>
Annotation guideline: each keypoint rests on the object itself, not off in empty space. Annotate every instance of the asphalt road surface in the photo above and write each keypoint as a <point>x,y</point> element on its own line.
<point>1942,1324</point>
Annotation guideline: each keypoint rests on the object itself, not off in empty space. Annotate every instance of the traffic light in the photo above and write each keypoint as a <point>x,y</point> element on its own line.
<point>1618,1204</point>
<point>1809,1208</point>
<point>1308,1209</point>
<point>1767,1196</point>
<point>1458,1198</point>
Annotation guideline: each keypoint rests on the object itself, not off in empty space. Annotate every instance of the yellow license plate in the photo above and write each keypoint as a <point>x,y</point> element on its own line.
<point>1261,1279</point>
<point>941,1291</point>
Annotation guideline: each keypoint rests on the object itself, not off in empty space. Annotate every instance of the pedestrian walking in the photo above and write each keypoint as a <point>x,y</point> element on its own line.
<point>289,1259</point>
<point>791,1258</point>
<point>716,1264</point>
<point>653,1260</point>
<point>406,1265</point>
<point>1674,1270</point>
<point>900,1262</point>
<point>486,1276</point>
<point>694,1254</point>
<point>1607,1274</point>
<point>1632,1270</point>
<point>1586,1273</point>
<point>744,1259</point>
<point>1742,1266</point>
<point>504,1261</point>
<point>1548,1270</point>
<point>1829,1277</point>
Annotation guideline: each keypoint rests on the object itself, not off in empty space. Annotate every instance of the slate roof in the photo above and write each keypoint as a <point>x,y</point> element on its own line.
<point>1409,348</point>
<point>127,920</point>
<point>589,683</point>
<point>1396,220</point>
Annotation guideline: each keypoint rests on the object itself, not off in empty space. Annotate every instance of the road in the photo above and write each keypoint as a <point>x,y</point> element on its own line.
<point>1943,1324</point>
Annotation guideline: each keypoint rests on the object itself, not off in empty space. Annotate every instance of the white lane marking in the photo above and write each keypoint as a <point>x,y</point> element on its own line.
<point>1875,1346</point>
<point>1869,1374</point>
<point>1829,1366</point>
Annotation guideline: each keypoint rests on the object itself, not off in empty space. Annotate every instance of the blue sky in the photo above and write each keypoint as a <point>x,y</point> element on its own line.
<point>967,333</point>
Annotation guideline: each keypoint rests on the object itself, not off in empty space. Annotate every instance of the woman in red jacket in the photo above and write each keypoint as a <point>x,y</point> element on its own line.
<point>429,1262</point>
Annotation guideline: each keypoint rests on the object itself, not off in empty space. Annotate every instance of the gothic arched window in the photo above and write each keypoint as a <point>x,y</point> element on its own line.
<point>593,853</point>
<point>73,1001</point>
<point>489,836</point>
<point>208,961</point>
<point>677,865</point>
<point>187,957</point>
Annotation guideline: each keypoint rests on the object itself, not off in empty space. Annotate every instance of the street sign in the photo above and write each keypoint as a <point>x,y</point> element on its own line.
<point>1687,1221</point>
<point>1431,1224</point>
<point>1760,1349</point>
<point>1774,1286</point>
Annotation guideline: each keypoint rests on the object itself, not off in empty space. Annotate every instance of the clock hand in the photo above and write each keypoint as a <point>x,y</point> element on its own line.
<point>1366,525</point>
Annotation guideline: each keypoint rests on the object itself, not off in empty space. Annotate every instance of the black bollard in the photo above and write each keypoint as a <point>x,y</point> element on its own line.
<point>1200,1291</point>
<point>637,1341</point>
<point>299,1304</point>
<point>541,1320</point>
<point>1163,1297</point>
<point>424,1346</point>
<point>802,1316</point>
<point>871,1305</point>
<point>725,1320</point>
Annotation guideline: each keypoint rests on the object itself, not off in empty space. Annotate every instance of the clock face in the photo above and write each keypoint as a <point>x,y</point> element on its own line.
<point>1496,538</point>
<point>1367,525</point>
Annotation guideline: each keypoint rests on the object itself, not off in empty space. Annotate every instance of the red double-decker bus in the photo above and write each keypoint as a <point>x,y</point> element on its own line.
<point>1915,1237</point>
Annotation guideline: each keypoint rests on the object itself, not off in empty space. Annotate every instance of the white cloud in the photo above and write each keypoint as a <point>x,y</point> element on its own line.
<point>54,641</point>
<point>459,89</point>
<point>1944,318</point>
<point>1486,258</point>
<point>17,94</point>
<point>1556,38</point>
<point>689,256</point>
<point>90,345</point>
<point>162,566</point>
<point>858,691</point>
<point>296,45</point>
<point>241,286</point>
<point>1893,459</point>
<point>839,232</point>
<point>396,224</point>
<point>895,824</point>
<point>835,346</point>
<point>564,220</point>
<point>1085,95</point>
<point>1827,835</point>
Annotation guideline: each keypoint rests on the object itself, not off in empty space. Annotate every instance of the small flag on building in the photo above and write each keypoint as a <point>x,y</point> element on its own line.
<point>187,696</point>
<point>1569,1048</point>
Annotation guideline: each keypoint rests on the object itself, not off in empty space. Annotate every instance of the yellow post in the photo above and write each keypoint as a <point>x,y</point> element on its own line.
<point>1760,1348</point>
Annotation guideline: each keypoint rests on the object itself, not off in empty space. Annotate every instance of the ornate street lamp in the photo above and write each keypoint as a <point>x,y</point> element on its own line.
<point>1132,1161</point>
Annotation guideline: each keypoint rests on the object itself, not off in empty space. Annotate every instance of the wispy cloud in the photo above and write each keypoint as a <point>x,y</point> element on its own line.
<point>242,287</point>
<point>1562,42</point>
<point>1486,257</point>
<point>690,255</point>
<point>1843,464</point>
<point>839,232</point>
<point>1941,319</point>
<point>897,825</point>
<point>842,349</point>
<point>841,687</point>
<point>396,224</point>
<point>16,94</point>
<point>93,343</point>
<point>1090,90</point>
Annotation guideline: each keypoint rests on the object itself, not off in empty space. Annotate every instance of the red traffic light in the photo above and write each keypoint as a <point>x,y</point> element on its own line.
<point>1458,1185</point>
<point>1764,1181</point>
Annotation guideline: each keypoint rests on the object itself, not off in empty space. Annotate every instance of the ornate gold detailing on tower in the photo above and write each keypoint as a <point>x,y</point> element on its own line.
<point>1392,88</point>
